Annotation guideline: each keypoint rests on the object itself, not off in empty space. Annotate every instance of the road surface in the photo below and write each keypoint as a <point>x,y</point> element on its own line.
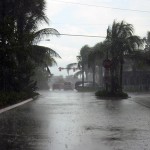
<point>68,120</point>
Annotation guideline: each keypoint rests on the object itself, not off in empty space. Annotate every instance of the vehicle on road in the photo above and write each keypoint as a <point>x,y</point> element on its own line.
<point>88,86</point>
<point>57,86</point>
<point>68,86</point>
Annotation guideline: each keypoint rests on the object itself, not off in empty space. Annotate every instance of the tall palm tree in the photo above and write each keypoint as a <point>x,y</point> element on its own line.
<point>20,19</point>
<point>147,42</point>
<point>83,60</point>
<point>92,63</point>
<point>70,66</point>
<point>122,41</point>
<point>96,57</point>
<point>147,48</point>
<point>78,73</point>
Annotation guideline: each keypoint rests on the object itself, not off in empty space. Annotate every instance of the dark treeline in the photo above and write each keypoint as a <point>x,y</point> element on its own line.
<point>20,56</point>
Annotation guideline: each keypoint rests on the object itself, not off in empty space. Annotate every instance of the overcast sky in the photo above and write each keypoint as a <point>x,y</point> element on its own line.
<point>90,17</point>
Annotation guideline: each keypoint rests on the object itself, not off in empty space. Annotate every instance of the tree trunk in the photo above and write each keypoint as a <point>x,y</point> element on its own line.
<point>112,72</point>
<point>94,75</point>
<point>82,75</point>
<point>100,75</point>
<point>86,75</point>
<point>121,72</point>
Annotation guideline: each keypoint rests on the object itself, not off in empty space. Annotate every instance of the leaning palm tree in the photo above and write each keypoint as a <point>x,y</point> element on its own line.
<point>100,52</point>
<point>147,42</point>
<point>20,19</point>
<point>43,56</point>
<point>40,54</point>
<point>78,73</point>
<point>70,66</point>
<point>83,60</point>
<point>95,59</point>
<point>92,63</point>
<point>147,48</point>
<point>122,41</point>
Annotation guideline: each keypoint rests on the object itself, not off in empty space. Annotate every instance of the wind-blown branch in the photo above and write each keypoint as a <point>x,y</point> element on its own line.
<point>39,35</point>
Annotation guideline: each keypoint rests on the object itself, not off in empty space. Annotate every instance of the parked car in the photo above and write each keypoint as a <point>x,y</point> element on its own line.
<point>68,86</point>
<point>57,86</point>
<point>88,86</point>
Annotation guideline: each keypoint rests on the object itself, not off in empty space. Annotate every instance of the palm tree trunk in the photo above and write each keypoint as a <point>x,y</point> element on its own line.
<point>121,72</point>
<point>86,74</point>
<point>100,75</point>
<point>94,74</point>
<point>112,72</point>
<point>82,75</point>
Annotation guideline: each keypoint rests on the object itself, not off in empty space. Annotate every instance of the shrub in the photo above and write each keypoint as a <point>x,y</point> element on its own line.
<point>9,98</point>
<point>105,94</point>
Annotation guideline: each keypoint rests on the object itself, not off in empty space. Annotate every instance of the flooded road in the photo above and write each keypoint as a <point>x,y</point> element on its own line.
<point>70,120</point>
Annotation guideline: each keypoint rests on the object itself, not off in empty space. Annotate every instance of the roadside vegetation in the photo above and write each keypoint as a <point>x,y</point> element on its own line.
<point>123,49</point>
<point>20,55</point>
<point>24,64</point>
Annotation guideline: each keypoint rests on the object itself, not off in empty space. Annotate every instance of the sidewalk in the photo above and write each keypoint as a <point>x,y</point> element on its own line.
<point>141,98</point>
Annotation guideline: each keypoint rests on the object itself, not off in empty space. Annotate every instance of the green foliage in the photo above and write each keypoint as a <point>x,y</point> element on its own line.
<point>114,95</point>
<point>9,98</point>
<point>87,89</point>
<point>19,54</point>
<point>70,66</point>
<point>122,41</point>
<point>42,77</point>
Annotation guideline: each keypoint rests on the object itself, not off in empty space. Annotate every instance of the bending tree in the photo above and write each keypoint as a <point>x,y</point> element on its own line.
<point>122,41</point>
<point>83,61</point>
<point>20,19</point>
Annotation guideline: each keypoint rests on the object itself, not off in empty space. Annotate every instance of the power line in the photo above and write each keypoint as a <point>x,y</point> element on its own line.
<point>58,23</point>
<point>90,5</point>
<point>81,24</point>
<point>81,35</point>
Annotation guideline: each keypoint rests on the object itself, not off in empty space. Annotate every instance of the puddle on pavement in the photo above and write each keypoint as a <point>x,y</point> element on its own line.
<point>116,133</point>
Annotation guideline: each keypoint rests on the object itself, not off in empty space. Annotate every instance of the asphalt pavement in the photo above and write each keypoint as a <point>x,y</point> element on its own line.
<point>68,120</point>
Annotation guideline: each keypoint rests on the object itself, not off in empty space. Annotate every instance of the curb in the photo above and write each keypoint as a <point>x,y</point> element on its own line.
<point>15,105</point>
<point>142,104</point>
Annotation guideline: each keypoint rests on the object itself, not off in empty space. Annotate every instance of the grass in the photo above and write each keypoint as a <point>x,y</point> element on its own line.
<point>87,89</point>
<point>116,95</point>
<point>10,98</point>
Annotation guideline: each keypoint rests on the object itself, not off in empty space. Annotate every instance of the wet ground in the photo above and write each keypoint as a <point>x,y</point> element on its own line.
<point>77,121</point>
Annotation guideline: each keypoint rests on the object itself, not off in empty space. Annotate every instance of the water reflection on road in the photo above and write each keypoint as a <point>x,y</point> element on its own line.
<point>60,120</point>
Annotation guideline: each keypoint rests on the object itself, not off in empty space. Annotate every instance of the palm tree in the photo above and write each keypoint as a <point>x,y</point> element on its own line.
<point>147,49</point>
<point>147,42</point>
<point>100,50</point>
<point>70,66</point>
<point>83,61</point>
<point>96,57</point>
<point>78,73</point>
<point>122,41</point>
<point>92,64</point>
<point>20,19</point>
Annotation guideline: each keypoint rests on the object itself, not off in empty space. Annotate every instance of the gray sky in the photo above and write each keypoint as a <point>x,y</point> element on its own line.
<point>90,17</point>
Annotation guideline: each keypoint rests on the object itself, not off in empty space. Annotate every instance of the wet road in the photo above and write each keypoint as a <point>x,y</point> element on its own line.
<point>76,121</point>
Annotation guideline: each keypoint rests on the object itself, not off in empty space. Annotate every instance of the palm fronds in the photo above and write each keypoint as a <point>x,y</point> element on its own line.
<point>39,35</point>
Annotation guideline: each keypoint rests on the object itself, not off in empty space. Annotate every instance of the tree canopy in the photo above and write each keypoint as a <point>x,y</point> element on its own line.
<point>19,53</point>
